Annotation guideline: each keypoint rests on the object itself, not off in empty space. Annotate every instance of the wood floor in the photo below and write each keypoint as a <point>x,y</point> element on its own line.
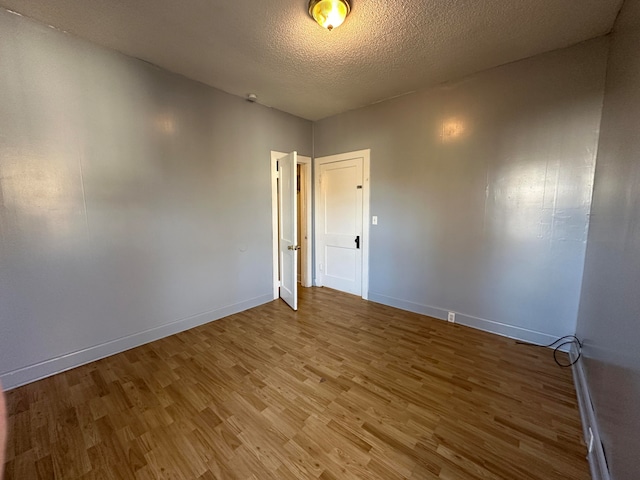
<point>343,389</point>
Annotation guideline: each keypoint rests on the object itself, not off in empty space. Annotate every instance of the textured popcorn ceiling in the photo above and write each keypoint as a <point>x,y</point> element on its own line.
<point>273,48</point>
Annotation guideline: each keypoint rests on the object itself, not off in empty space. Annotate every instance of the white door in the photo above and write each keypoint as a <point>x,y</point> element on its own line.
<point>288,249</point>
<point>339,223</point>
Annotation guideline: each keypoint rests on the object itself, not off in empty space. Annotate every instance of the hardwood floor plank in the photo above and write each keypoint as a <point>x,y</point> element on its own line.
<point>342,389</point>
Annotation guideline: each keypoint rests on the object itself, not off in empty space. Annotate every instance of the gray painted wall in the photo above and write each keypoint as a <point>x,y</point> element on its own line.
<point>609,319</point>
<point>482,189</point>
<point>134,203</point>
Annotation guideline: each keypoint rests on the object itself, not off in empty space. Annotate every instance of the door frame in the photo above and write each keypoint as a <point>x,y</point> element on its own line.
<point>366,194</point>
<point>305,163</point>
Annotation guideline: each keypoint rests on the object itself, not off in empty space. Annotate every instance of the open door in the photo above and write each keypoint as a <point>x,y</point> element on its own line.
<point>288,231</point>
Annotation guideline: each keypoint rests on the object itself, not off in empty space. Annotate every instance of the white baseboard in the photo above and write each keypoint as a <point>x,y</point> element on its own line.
<point>40,370</point>
<point>490,326</point>
<point>596,458</point>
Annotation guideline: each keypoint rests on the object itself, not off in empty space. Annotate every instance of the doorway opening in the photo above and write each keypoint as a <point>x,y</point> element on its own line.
<point>303,200</point>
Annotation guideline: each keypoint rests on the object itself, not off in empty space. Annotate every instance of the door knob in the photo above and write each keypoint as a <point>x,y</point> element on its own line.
<point>293,247</point>
<point>357,241</point>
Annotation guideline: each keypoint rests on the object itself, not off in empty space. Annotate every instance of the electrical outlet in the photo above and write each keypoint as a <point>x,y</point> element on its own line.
<point>590,440</point>
<point>374,220</point>
<point>451,317</point>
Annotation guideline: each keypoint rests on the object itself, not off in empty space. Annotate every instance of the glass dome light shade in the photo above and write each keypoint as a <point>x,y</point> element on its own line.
<point>329,13</point>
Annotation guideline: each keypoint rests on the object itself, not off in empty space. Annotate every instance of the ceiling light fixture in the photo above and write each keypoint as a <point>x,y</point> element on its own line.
<point>329,13</point>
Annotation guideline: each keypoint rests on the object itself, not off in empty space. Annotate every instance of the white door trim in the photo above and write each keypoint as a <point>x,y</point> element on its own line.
<point>306,249</point>
<point>366,161</point>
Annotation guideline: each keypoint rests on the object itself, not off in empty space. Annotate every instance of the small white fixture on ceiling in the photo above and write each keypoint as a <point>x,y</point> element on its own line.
<point>329,13</point>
